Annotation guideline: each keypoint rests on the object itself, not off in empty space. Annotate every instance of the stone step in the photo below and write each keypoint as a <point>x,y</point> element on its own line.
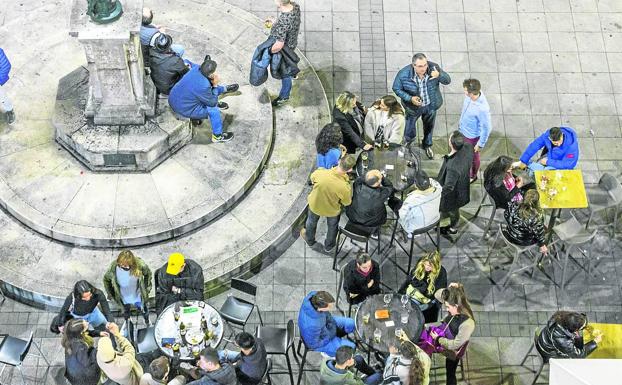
<point>251,232</point>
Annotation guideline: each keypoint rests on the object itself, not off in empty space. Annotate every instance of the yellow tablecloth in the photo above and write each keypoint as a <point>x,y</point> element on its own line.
<point>611,345</point>
<point>561,189</point>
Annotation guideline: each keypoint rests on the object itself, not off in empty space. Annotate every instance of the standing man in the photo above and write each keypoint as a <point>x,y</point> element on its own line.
<point>5,103</point>
<point>331,191</point>
<point>454,178</point>
<point>285,31</point>
<point>418,87</point>
<point>178,280</point>
<point>475,121</point>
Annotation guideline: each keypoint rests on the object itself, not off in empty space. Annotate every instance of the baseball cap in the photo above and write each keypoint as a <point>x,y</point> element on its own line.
<point>175,262</point>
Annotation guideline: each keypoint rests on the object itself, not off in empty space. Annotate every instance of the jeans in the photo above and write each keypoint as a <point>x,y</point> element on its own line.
<point>535,166</point>
<point>476,159</point>
<point>454,217</point>
<point>5,103</point>
<point>331,234</point>
<point>95,318</point>
<point>428,116</point>
<point>344,327</point>
<point>228,355</point>
<point>215,119</point>
<point>286,88</point>
<point>178,49</point>
<point>373,378</point>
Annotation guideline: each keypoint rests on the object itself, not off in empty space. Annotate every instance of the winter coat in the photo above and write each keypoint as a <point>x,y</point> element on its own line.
<point>355,283</point>
<point>317,328</point>
<point>368,203</point>
<point>523,232</point>
<point>282,64</point>
<point>190,281</point>
<point>147,379</point>
<point>400,366</point>
<point>250,369</point>
<point>499,193</point>
<point>421,208</point>
<point>113,291</point>
<point>329,375</point>
<point>405,87</point>
<point>555,341</point>
<point>5,68</point>
<point>352,135</point>
<point>564,157</point>
<point>81,307</point>
<point>225,375</point>
<point>393,127</point>
<point>193,94</point>
<point>454,177</point>
<point>422,284</point>
<point>123,369</point>
<point>166,69</point>
<point>81,365</point>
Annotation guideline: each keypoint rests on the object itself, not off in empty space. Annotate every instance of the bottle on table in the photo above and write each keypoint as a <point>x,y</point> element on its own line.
<point>176,312</point>
<point>182,329</point>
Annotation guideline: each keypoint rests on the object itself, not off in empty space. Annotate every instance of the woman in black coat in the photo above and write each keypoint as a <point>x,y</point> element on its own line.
<point>361,278</point>
<point>424,280</point>
<point>562,337</point>
<point>350,115</point>
<point>455,180</point>
<point>80,354</point>
<point>525,222</point>
<point>501,184</point>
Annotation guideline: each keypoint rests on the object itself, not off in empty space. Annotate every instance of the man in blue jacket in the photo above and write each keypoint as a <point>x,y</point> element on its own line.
<point>418,85</point>
<point>195,96</point>
<point>561,150</point>
<point>5,103</point>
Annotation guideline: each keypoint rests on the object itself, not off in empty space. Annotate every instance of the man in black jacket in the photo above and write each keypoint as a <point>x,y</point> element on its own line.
<point>369,195</point>
<point>166,67</point>
<point>361,278</point>
<point>210,370</point>
<point>454,178</point>
<point>179,279</point>
<point>250,362</point>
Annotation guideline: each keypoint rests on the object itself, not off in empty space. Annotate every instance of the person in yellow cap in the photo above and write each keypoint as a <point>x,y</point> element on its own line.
<point>178,280</point>
<point>118,365</point>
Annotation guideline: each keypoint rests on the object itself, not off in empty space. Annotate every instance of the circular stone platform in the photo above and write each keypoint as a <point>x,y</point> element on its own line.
<point>243,199</point>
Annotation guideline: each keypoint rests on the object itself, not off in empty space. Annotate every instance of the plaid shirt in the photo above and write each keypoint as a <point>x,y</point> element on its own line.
<point>423,88</point>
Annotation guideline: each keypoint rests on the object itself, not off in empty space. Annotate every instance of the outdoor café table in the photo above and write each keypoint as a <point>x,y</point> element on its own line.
<point>365,331</point>
<point>560,189</point>
<point>392,162</point>
<point>190,314</point>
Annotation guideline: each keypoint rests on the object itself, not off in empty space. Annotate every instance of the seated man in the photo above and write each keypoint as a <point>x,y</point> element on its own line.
<point>210,370</point>
<point>319,330</point>
<point>166,67</point>
<point>560,147</point>
<point>148,31</point>
<point>250,362</point>
<point>369,196</point>
<point>361,278</point>
<point>336,372</point>
<point>179,279</point>
<point>159,371</point>
<point>195,96</point>
<point>421,206</point>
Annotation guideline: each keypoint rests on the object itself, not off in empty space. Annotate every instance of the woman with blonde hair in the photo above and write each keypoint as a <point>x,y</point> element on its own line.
<point>384,121</point>
<point>424,280</point>
<point>128,283</point>
<point>350,115</point>
<point>80,354</point>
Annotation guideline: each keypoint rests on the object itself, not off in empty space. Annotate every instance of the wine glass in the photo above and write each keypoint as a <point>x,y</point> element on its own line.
<point>404,300</point>
<point>387,299</point>
<point>377,335</point>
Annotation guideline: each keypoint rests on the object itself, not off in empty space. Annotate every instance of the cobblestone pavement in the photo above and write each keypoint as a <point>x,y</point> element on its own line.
<point>541,63</point>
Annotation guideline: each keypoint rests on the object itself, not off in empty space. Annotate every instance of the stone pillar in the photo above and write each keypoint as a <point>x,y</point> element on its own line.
<point>119,92</point>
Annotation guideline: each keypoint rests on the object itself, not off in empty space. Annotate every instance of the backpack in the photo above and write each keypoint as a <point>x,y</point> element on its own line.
<point>392,378</point>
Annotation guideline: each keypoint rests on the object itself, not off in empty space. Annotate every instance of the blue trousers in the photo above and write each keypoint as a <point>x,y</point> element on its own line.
<point>286,88</point>
<point>345,324</point>
<point>94,318</point>
<point>535,166</point>
<point>428,117</point>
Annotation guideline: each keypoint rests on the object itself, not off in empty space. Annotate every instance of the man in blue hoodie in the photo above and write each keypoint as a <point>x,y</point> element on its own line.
<point>195,96</point>
<point>5,103</point>
<point>560,150</point>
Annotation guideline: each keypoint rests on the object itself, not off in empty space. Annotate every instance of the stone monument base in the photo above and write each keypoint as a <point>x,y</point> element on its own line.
<point>115,147</point>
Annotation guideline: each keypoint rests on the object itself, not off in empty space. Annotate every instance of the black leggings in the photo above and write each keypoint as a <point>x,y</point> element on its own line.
<point>450,367</point>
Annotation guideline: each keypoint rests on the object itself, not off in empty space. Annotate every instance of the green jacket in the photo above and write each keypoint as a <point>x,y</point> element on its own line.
<point>330,377</point>
<point>112,286</point>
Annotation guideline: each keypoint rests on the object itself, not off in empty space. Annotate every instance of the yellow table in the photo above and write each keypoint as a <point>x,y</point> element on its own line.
<point>561,189</point>
<point>611,345</point>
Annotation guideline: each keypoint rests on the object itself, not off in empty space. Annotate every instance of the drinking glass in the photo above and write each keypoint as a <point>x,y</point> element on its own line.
<point>377,335</point>
<point>398,333</point>
<point>387,299</point>
<point>404,317</point>
<point>404,300</point>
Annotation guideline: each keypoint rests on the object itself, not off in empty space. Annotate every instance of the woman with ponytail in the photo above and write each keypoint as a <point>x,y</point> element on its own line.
<point>409,364</point>
<point>80,354</point>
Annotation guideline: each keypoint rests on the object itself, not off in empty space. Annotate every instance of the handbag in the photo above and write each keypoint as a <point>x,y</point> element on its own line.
<point>428,344</point>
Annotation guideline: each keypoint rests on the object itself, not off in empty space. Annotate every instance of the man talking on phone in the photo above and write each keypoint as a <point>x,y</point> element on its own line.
<point>195,96</point>
<point>417,85</point>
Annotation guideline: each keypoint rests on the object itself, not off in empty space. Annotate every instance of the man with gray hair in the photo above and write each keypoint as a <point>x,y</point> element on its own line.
<point>370,193</point>
<point>418,85</point>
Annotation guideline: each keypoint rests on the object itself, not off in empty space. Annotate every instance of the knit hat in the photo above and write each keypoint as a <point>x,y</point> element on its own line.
<point>163,42</point>
<point>175,262</point>
<point>105,351</point>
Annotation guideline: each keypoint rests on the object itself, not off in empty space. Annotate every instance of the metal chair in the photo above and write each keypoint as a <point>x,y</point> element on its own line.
<point>303,359</point>
<point>265,379</point>
<point>460,355</point>
<point>278,341</point>
<point>355,233</point>
<point>13,352</point>
<point>145,340</point>
<point>340,288</point>
<point>536,334</point>
<point>236,311</point>
<point>572,234</point>
<point>2,295</point>
<point>517,252</point>
<point>608,195</point>
<point>491,203</point>
<point>425,230</point>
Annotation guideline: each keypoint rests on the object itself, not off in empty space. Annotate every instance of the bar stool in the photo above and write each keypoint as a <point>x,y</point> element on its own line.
<point>278,341</point>
<point>536,334</point>
<point>517,252</point>
<point>355,233</point>
<point>303,359</point>
<point>425,230</point>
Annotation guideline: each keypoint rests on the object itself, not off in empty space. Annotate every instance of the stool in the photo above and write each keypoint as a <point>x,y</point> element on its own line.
<point>536,334</point>
<point>303,360</point>
<point>425,230</point>
<point>355,233</point>
<point>278,341</point>
<point>518,251</point>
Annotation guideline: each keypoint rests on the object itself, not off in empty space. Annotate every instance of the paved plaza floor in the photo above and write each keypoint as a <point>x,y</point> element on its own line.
<point>541,63</point>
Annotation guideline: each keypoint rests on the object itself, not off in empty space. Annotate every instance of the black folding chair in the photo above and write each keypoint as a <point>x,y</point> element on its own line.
<point>236,311</point>
<point>13,352</point>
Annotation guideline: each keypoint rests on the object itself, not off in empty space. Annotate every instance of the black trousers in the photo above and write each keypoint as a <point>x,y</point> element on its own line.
<point>450,368</point>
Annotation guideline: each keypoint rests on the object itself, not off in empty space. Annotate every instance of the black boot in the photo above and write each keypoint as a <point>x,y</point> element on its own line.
<point>10,117</point>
